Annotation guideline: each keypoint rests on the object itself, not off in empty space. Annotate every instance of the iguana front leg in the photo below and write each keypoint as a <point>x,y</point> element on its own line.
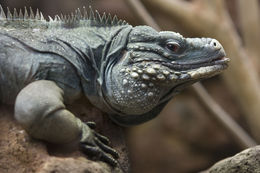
<point>39,108</point>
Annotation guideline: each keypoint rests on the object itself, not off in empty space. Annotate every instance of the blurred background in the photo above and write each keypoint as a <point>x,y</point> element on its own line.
<point>186,138</point>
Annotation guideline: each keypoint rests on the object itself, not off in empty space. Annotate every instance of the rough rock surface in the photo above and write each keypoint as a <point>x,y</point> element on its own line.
<point>247,161</point>
<point>21,154</point>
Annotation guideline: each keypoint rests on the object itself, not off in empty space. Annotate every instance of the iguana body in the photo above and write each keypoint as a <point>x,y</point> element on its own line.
<point>128,72</point>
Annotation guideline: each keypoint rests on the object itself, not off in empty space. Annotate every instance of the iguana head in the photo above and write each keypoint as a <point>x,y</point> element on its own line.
<point>157,65</point>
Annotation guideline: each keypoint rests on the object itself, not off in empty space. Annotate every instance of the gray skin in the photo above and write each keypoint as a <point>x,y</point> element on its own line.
<point>128,72</point>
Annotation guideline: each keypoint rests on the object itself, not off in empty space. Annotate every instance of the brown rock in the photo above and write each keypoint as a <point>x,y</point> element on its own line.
<point>72,165</point>
<point>18,153</point>
<point>21,154</point>
<point>247,161</point>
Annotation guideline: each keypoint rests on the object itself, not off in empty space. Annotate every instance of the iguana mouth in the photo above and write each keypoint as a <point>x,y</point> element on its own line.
<point>188,66</point>
<point>195,72</point>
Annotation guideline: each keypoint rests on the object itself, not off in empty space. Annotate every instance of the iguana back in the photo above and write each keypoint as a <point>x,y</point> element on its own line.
<point>63,50</point>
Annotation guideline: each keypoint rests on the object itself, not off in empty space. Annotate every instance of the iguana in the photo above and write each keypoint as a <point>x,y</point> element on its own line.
<point>128,72</point>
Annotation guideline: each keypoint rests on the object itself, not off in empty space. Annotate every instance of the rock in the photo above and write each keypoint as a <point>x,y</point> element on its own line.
<point>247,161</point>
<point>20,153</point>
<point>72,165</point>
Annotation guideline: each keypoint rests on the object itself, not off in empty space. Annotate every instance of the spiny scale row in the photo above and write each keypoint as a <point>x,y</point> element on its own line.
<point>93,17</point>
<point>21,15</point>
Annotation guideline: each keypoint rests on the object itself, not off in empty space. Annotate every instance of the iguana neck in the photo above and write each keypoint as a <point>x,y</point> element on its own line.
<point>102,61</point>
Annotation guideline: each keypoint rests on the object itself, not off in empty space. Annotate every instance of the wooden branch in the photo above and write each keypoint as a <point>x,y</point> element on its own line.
<point>216,6</point>
<point>231,126</point>
<point>142,14</point>
<point>248,12</point>
<point>241,76</point>
<point>244,140</point>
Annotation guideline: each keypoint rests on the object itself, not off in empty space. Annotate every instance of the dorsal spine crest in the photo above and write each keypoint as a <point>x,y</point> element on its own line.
<point>37,15</point>
<point>84,17</point>
<point>9,14</point>
<point>20,14</point>
<point>26,16</point>
<point>2,13</point>
<point>91,14</point>
<point>31,14</point>
<point>15,16</point>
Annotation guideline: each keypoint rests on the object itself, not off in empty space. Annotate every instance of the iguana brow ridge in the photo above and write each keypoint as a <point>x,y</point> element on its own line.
<point>85,17</point>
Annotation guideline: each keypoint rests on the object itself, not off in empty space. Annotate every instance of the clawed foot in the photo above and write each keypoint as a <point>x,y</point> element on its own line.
<point>96,146</point>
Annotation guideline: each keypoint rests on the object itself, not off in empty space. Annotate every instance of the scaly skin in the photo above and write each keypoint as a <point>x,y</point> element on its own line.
<point>128,72</point>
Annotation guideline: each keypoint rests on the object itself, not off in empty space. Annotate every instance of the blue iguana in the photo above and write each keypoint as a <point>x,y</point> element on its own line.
<point>128,72</point>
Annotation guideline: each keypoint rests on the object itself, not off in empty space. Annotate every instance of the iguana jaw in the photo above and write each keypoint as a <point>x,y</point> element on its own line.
<point>203,71</point>
<point>194,71</point>
<point>172,72</point>
<point>209,69</point>
<point>190,66</point>
<point>137,87</point>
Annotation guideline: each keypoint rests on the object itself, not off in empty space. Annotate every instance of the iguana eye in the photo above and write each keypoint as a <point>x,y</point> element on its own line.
<point>173,46</point>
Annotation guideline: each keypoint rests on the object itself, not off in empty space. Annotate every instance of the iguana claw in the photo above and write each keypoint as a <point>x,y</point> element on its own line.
<point>102,138</point>
<point>91,124</point>
<point>96,153</point>
<point>106,148</point>
<point>96,146</point>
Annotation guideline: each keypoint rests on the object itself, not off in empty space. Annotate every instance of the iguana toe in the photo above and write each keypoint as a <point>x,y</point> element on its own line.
<point>96,146</point>
<point>96,153</point>
<point>102,138</point>
<point>91,124</point>
<point>106,148</point>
